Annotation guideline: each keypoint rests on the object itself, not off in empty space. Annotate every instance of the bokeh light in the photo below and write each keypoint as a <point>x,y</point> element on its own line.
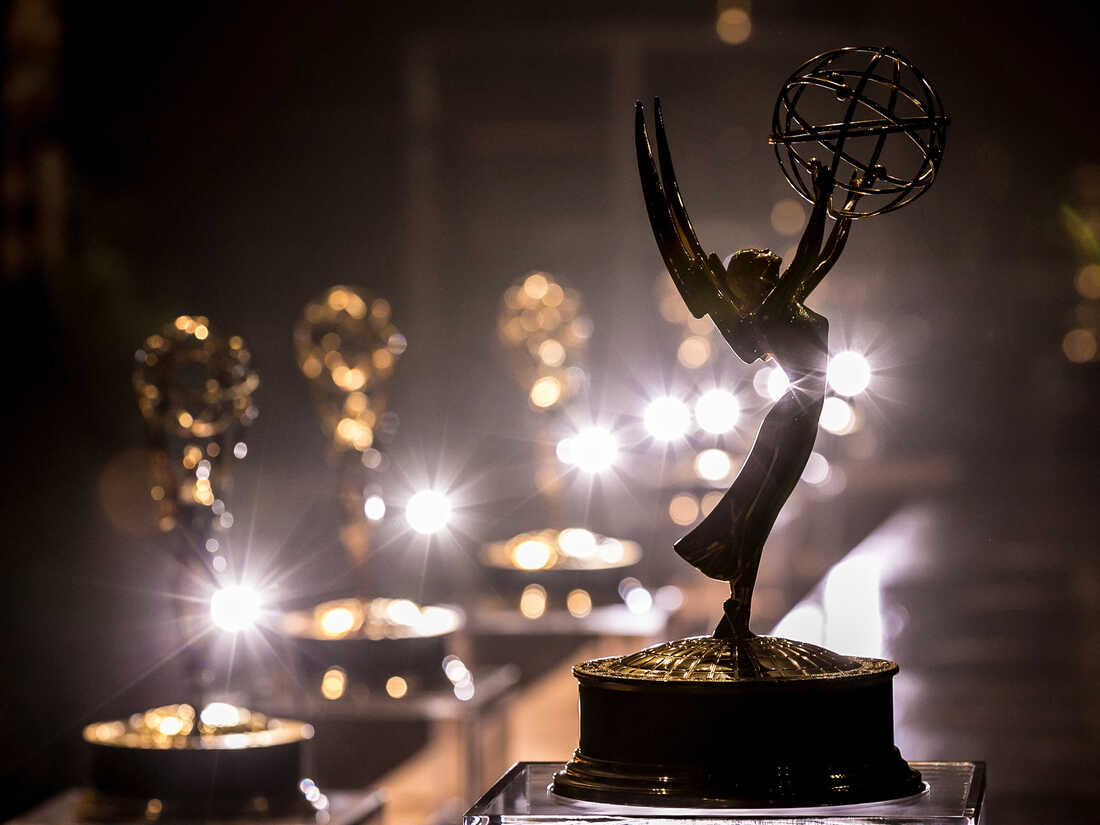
<point>397,687</point>
<point>817,469</point>
<point>717,411</point>
<point>713,464</point>
<point>428,511</point>
<point>578,603</point>
<point>849,373</point>
<point>592,450</point>
<point>374,507</point>
<point>235,608</point>
<point>1079,345</point>
<point>532,602</point>
<point>667,418</point>
<point>734,25</point>
<point>683,509</point>
<point>837,416</point>
<point>693,352</point>
<point>542,327</point>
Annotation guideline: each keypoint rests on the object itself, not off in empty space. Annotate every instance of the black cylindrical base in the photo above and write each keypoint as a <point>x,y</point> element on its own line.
<point>199,782</point>
<point>692,743</point>
<point>371,662</point>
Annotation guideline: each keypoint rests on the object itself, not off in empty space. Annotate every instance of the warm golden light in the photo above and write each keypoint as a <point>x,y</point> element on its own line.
<point>578,603</point>
<point>788,216</point>
<point>338,621</point>
<point>552,352</point>
<point>532,602</point>
<point>536,286</point>
<point>1079,345</point>
<point>349,352</point>
<point>683,509</point>
<point>1087,281</point>
<point>532,555</point>
<point>539,323</point>
<point>396,687</point>
<point>734,26</point>
<point>334,683</point>
<point>709,501</point>
<point>694,352</point>
<point>546,392</point>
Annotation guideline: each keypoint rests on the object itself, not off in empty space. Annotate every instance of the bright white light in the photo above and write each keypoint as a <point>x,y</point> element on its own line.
<point>455,669</point>
<point>403,611</point>
<point>853,609</point>
<point>626,585</point>
<point>667,418</point>
<point>235,608</point>
<point>816,470</point>
<point>717,411</point>
<point>220,715</point>
<point>464,690</point>
<point>837,416</point>
<point>713,465</point>
<point>849,373</point>
<point>577,542</point>
<point>669,598</point>
<point>638,600</point>
<point>374,508</point>
<point>777,383</point>
<point>593,450</point>
<point>612,551</point>
<point>428,511</point>
<point>805,623</point>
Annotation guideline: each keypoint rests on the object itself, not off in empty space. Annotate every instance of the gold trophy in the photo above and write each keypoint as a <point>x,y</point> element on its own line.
<point>735,719</point>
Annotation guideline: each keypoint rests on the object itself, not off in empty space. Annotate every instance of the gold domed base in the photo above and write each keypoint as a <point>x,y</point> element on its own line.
<point>752,659</point>
<point>749,722</point>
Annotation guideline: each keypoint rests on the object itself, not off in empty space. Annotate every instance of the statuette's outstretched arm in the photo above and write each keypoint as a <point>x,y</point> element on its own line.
<point>761,314</point>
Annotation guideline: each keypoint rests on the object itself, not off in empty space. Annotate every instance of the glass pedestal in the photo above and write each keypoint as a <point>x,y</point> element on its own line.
<point>952,795</point>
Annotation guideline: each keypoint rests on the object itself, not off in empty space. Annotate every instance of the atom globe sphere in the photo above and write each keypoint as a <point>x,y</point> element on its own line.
<point>868,116</point>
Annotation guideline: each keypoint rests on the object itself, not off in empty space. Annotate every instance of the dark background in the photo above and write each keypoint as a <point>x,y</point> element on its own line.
<point>235,160</point>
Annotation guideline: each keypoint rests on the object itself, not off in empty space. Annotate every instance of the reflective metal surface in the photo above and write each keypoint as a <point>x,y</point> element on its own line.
<point>953,795</point>
<point>705,659</point>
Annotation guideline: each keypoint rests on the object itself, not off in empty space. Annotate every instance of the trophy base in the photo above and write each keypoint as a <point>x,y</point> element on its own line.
<point>753,722</point>
<point>223,776</point>
<point>954,795</point>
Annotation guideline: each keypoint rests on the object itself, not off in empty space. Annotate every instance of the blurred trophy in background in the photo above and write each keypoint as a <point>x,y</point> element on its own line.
<point>348,348</point>
<point>194,390</point>
<point>545,334</point>
<point>195,759</point>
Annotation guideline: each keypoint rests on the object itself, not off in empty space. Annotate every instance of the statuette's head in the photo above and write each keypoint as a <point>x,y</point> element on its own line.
<point>750,275</point>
